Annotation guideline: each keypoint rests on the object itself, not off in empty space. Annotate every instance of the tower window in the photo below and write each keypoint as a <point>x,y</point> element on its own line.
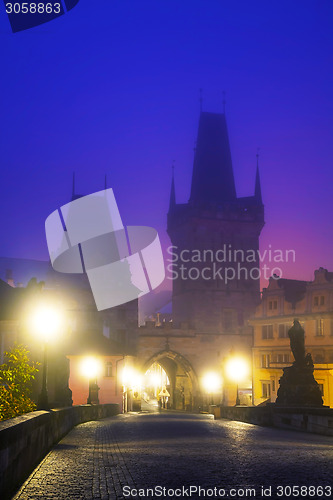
<point>121,314</point>
<point>227,320</point>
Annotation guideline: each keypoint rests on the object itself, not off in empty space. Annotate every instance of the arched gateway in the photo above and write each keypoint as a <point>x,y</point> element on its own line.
<point>180,380</point>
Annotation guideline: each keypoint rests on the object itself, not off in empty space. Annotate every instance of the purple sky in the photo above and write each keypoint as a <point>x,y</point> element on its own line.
<point>112,87</point>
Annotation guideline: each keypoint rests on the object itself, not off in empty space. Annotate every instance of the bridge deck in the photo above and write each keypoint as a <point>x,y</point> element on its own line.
<point>115,457</point>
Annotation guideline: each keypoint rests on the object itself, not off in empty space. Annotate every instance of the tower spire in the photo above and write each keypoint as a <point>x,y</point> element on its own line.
<point>257,190</point>
<point>212,177</point>
<point>172,203</point>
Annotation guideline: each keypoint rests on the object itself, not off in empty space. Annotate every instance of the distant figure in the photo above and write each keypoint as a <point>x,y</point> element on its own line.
<point>296,335</point>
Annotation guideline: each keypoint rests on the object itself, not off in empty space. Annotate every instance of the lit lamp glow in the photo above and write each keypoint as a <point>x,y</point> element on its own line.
<point>212,383</point>
<point>131,377</point>
<point>91,368</point>
<point>132,381</point>
<point>237,369</point>
<point>45,322</point>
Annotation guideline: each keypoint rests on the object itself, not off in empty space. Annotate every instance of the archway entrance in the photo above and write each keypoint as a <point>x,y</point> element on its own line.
<point>169,381</point>
<point>155,386</point>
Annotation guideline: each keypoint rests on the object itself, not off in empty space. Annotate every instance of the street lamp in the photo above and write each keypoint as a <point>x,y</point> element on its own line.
<point>91,368</point>
<point>212,383</point>
<point>237,369</point>
<point>45,322</point>
<point>131,387</point>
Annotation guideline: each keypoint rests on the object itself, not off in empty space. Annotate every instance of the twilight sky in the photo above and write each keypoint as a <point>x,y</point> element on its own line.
<point>113,87</point>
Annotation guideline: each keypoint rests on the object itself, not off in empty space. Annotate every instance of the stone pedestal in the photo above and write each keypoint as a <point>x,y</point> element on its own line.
<point>298,387</point>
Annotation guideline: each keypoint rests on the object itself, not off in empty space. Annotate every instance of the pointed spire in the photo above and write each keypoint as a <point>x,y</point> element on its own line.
<point>172,203</point>
<point>73,187</point>
<point>212,178</point>
<point>257,190</point>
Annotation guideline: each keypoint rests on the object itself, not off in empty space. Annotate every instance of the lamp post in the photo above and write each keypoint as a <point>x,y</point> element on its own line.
<point>90,368</point>
<point>43,399</point>
<point>237,370</point>
<point>45,322</point>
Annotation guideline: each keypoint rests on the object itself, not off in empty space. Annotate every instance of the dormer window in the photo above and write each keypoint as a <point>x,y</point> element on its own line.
<point>272,304</point>
<point>319,300</point>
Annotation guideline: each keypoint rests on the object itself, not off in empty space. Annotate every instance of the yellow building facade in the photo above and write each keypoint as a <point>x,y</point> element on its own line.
<point>283,301</point>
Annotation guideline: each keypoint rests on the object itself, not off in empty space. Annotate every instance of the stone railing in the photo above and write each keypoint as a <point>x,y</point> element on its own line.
<point>25,440</point>
<point>314,420</point>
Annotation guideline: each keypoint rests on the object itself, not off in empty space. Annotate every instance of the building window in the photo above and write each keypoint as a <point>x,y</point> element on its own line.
<point>320,327</point>
<point>108,369</point>
<point>316,301</point>
<point>266,389</point>
<point>283,331</point>
<point>267,331</point>
<point>321,387</point>
<point>318,358</point>
<point>272,304</point>
<point>322,300</point>
<point>227,320</point>
<point>265,359</point>
<point>283,358</point>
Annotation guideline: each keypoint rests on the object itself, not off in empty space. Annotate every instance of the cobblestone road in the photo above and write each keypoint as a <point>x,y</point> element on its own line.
<point>121,457</point>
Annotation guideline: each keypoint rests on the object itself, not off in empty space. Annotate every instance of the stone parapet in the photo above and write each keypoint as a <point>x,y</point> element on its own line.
<point>312,420</point>
<point>26,439</point>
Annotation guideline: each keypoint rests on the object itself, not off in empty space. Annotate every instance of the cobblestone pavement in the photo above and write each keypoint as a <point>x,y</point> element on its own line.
<point>120,457</point>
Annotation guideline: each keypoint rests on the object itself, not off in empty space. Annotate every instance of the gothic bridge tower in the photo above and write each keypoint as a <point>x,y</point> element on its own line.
<point>215,230</point>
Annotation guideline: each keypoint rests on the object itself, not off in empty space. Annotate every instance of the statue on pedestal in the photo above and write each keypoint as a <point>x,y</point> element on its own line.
<point>298,387</point>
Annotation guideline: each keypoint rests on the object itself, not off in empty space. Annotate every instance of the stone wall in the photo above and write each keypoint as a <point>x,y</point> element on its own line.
<point>26,439</point>
<point>313,420</point>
